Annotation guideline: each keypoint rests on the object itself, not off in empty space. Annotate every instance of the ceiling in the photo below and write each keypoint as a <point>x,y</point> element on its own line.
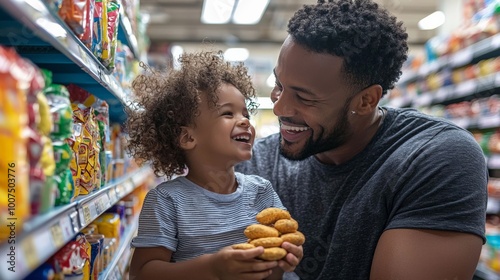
<point>178,21</point>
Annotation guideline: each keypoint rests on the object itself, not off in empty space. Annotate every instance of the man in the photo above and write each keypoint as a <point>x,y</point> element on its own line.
<point>380,193</point>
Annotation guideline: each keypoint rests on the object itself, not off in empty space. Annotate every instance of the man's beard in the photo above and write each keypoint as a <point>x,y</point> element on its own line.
<point>335,138</point>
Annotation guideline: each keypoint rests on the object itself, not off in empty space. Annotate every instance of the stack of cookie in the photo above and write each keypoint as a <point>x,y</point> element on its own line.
<point>275,227</point>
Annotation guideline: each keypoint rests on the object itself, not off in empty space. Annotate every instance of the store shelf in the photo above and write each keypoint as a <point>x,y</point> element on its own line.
<point>126,34</point>
<point>45,234</point>
<point>117,266</point>
<point>487,48</point>
<point>480,87</point>
<point>40,35</point>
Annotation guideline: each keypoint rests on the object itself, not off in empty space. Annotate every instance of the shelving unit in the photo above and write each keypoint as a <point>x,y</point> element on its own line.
<point>467,90</point>
<point>46,234</point>
<point>40,35</point>
<point>116,267</point>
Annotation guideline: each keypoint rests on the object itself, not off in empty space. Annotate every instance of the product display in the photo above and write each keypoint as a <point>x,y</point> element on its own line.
<point>72,194</point>
<point>457,78</point>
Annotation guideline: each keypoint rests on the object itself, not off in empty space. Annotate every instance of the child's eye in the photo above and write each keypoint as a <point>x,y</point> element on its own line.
<point>227,114</point>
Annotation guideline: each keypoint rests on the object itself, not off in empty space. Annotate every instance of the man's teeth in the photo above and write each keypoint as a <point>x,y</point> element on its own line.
<point>294,128</point>
<point>242,137</point>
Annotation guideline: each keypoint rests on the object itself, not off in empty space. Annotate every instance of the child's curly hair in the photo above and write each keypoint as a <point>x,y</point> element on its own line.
<point>164,102</point>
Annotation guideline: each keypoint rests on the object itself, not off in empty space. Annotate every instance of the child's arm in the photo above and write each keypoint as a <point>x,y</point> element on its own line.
<point>154,263</point>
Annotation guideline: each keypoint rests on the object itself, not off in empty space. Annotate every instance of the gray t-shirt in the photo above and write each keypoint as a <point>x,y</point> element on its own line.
<point>417,172</point>
<point>191,221</point>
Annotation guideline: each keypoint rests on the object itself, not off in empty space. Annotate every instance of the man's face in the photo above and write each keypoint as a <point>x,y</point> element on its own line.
<point>311,98</point>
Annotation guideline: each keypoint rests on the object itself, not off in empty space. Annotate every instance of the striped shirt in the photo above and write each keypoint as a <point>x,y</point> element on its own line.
<point>191,221</point>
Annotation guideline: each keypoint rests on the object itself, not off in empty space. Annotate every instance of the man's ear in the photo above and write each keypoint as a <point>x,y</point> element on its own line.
<point>186,139</point>
<point>368,99</point>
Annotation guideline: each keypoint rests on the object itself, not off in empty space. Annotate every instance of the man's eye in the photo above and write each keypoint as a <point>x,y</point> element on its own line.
<point>304,100</point>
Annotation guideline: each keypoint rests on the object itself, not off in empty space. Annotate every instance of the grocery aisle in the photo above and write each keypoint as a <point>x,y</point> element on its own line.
<point>72,196</point>
<point>457,77</point>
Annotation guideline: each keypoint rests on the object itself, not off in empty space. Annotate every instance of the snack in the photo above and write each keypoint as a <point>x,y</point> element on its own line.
<point>258,231</point>
<point>273,254</point>
<point>275,227</point>
<point>296,238</point>
<point>286,225</point>
<point>269,216</point>
<point>267,242</point>
<point>242,246</point>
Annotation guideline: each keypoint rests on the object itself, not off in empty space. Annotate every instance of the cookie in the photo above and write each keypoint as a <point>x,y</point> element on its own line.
<point>243,246</point>
<point>258,231</point>
<point>270,215</point>
<point>273,254</point>
<point>296,238</point>
<point>267,242</point>
<point>286,225</point>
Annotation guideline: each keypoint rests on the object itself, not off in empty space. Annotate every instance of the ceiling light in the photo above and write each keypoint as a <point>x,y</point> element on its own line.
<point>236,11</point>
<point>236,54</point>
<point>249,11</point>
<point>217,11</point>
<point>432,21</point>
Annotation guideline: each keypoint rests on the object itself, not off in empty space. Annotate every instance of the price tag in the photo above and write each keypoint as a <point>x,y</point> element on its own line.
<point>57,235</point>
<point>83,55</point>
<point>98,206</point>
<point>489,121</point>
<point>442,94</point>
<point>495,41</point>
<point>67,227</point>
<point>30,254</point>
<point>112,195</point>
<point>465,88</point>
<point>105,202</point>
<point>424,99</point>
<point>462,57</point>
<point>87,217</point>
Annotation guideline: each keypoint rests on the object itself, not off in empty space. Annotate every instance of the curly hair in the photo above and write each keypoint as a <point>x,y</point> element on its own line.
<point>370,40</point>
<point>164,102</point>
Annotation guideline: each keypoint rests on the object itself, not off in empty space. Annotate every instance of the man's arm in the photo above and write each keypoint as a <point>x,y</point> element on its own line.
<point>425,254</point>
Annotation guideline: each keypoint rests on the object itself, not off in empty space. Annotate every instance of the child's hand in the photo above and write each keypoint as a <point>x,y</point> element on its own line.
<point>293,258</point>
<point>229,264</point>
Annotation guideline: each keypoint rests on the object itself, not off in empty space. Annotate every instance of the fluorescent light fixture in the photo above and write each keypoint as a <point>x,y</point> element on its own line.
<point>249,11</point>
<point>237,11</point>
<point>236,54</point>
<point>432,21</point>
<point>217,11</point>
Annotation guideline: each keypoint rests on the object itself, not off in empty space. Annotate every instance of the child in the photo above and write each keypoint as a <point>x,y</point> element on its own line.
<point>195,122</point>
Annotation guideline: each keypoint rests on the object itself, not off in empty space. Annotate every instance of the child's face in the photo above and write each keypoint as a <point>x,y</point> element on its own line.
<point>225,133</point>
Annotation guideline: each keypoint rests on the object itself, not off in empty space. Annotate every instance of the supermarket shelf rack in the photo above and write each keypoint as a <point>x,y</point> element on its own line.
<point>45,234</point>
<point>118,264</point>
<point>39,34</point>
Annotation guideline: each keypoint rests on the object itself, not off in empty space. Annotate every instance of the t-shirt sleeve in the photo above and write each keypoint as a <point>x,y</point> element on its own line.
<point>442,187</point>
<point>157,222</point>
